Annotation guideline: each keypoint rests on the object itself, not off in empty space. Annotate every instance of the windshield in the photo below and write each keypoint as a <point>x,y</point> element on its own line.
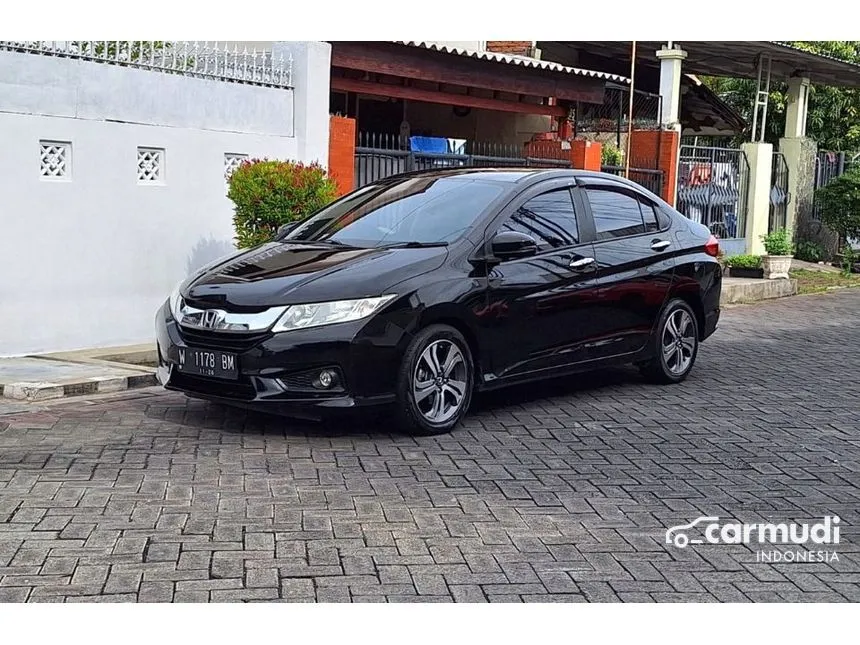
<point>419,210</point>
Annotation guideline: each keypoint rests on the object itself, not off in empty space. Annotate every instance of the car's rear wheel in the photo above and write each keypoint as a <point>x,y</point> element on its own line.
<point>675,344</point>
<point>434,385</point>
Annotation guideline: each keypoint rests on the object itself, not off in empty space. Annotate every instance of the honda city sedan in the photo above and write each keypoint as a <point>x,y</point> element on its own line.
<point>416,291</point>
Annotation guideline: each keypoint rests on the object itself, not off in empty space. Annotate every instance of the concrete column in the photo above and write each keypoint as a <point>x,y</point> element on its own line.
<point>670,86</point>
<point>760,158</point>
<point>797,103</point>
<point>799,153</point>
<point>311,96</point>
<point>800,156</point>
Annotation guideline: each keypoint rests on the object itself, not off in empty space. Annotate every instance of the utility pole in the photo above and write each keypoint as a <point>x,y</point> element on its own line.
<point>630,110</point>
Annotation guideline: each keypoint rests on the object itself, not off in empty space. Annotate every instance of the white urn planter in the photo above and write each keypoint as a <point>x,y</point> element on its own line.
<point>776,266</point>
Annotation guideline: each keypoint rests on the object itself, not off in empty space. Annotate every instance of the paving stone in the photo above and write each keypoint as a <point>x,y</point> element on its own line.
<point>156,592</point>
<point>560,491</point>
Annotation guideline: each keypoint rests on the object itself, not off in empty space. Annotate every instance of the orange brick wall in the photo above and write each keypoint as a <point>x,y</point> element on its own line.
<point>585,155</point>
<point>521,47</point>
<point>648,145</point>
<point>341,153</point>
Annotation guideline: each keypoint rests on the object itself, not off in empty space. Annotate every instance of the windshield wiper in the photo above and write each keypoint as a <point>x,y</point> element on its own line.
<point>320,242</point>
<point>413,245</point>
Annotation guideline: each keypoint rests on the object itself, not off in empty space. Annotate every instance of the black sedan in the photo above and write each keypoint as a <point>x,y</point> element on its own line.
<point>416,291</point>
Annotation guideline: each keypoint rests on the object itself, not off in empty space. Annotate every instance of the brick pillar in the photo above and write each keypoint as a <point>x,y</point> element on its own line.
<point>585,155</point>
<point>341,153</point>
<point>657,149</point>
<point>519,47</point>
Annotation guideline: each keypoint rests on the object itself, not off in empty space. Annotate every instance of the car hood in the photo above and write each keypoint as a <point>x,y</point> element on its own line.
<point>282,274</point>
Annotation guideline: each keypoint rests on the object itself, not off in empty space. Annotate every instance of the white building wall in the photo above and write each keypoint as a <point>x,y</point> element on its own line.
<point>87,259</point>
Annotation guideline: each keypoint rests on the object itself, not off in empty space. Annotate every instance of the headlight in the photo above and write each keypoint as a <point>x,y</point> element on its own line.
<point>176,303</point>
<point>327,313</point>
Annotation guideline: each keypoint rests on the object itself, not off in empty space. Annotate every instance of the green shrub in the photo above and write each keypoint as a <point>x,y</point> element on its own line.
<point>849,258</point>
<point>744,261</point>
<point>611,155</point>
<point>839,203</point>
<point>809,251</point>
<point>778,242</point>
<point>268,194</point>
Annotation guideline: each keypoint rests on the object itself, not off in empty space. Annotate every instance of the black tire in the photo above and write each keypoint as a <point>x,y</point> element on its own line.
<point>659,369</point>
<point>410,416</point>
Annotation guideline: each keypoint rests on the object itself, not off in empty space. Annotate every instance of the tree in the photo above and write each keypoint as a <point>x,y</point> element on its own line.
<point>834,112</point>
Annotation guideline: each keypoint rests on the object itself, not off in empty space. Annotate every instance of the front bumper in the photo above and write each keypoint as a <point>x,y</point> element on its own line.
<point>274,369</point>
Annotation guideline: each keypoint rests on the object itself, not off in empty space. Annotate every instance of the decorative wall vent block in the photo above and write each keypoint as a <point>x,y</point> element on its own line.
<point>55,159</point>
<point>150,165</point>
<point>231,162</point>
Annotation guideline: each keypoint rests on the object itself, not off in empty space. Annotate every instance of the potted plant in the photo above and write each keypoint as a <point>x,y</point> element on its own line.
<point>779,251</point>
<point>745,266</point>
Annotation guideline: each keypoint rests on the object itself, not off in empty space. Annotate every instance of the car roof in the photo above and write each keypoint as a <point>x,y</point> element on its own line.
<point>520,176</point>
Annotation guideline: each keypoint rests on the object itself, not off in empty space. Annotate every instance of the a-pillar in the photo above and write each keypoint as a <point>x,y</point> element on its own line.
<point>760,159</point>
<point>799,152</point>
<point>585,155</point>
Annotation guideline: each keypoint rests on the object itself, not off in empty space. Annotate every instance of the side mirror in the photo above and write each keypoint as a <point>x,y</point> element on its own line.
<point>510,245</point>
<point>284,229</point>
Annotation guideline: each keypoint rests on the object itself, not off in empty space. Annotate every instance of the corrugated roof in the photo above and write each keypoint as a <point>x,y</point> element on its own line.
<point>513,59</point>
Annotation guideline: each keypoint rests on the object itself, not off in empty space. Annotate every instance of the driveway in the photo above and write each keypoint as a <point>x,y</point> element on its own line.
<point>554,492</point>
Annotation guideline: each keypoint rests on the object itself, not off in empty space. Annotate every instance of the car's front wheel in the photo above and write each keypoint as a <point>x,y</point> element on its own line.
<point>675,344</point>
<point>434,385</point>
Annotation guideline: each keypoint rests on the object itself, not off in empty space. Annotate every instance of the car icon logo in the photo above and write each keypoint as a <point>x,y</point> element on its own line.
<point>677,534</point>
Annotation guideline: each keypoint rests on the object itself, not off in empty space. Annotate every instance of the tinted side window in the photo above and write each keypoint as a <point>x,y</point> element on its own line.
<point>649,216</point>
<point>615,214</point>
<point>549,218</point>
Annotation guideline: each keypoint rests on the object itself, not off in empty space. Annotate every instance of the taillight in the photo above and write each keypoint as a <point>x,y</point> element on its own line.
<point>712,246</point>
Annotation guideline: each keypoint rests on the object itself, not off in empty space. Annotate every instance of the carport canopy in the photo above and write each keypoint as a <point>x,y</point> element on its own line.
<point>736,59</point>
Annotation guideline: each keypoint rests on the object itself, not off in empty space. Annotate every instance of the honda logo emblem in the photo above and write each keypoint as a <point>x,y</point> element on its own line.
<point>212,318</point>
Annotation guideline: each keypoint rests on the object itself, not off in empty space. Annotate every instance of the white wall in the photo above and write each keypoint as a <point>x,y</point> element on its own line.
<point>86,261</point>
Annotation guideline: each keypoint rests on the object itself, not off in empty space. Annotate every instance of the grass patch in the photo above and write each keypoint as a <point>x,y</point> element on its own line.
<point>819,281</point>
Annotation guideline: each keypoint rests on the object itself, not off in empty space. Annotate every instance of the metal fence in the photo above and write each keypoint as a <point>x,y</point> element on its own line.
<point>608,122</point>
<point>202,59</point>
<point>646,177</point>
<point>779,195</point>
<point>713,188</point>
<point>381,155</point>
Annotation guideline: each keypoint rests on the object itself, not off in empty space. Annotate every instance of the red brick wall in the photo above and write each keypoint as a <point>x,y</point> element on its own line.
<point>521,47</point>
<point>648,145</point>
<point>341,153</point>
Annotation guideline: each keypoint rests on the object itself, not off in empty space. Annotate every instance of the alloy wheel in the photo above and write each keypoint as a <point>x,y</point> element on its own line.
<point>439,382</point>
<point>678,341</point>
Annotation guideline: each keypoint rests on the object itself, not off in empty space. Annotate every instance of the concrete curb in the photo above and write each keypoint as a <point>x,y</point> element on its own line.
<point>44,391</point>
<point>740,290</point>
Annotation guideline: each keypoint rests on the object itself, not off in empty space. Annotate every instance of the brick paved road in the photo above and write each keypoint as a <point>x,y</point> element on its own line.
<point>558,492</point>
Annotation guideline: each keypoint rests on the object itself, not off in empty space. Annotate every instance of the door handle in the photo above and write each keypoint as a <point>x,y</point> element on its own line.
<point>659,245</point>
<point>581,262</point>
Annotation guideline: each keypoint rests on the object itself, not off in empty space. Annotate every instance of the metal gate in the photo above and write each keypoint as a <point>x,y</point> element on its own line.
<point>379,155</point>
<point>713,186</point>
<point>779,195</point>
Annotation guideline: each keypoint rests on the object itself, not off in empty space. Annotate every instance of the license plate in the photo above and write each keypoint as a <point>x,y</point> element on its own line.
<point>208,362</point>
